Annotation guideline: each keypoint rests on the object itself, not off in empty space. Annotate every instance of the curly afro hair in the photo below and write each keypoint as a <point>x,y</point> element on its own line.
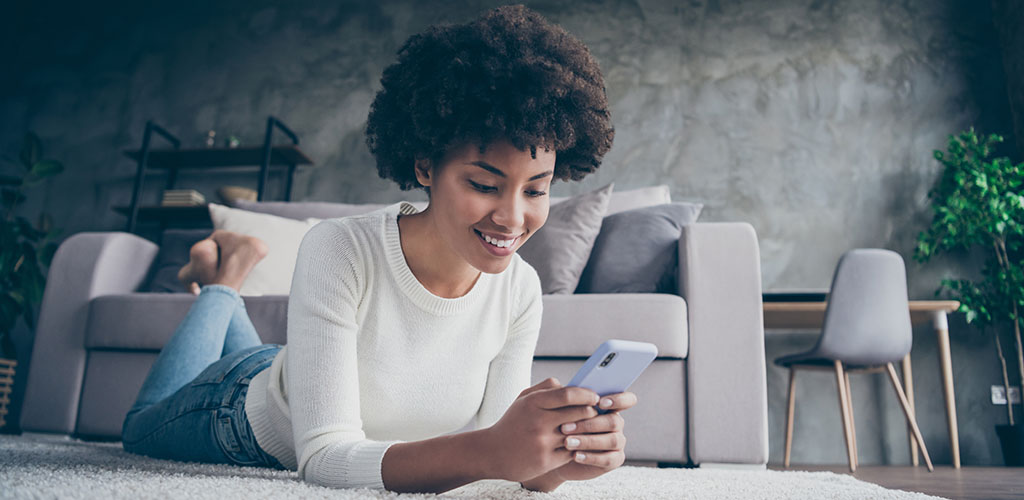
<point>507,75</point>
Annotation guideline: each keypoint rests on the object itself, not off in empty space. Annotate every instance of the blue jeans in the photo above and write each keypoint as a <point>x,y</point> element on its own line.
<point>192,405</point>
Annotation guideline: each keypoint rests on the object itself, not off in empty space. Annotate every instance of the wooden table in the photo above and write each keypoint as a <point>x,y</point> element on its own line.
<point>811,315</point>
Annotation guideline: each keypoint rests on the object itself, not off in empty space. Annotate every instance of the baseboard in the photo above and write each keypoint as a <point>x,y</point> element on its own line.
<point>714,465</point>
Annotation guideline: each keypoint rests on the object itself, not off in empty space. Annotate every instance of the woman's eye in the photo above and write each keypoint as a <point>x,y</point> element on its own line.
<point>482,188</point>
<point>490,189</point>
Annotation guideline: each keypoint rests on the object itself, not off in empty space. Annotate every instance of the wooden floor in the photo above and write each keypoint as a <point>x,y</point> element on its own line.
<point>989,483</point>
<point>995,483</point>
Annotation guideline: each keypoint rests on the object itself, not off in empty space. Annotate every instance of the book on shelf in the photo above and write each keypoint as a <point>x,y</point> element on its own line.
<point>182,198</point>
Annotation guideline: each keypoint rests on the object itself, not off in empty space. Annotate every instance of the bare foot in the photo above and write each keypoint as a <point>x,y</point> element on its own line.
<point>201,267</point>
<point>238,255</point>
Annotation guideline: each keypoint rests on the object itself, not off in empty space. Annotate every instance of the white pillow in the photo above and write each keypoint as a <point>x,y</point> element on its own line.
<point>631,198</point>
<point>273,274</point>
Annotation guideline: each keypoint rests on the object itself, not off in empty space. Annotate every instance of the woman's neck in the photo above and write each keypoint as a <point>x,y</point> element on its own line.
<point>439,269</point>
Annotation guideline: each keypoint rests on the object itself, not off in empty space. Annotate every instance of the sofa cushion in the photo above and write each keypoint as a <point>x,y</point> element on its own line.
<point>637,251</point>
<point>560,249</point>
<point>573,325</point>
<point>146,321</point>
<point>303,210</point>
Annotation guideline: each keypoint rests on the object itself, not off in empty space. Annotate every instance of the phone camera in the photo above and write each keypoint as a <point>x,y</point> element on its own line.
<point>607,359</point>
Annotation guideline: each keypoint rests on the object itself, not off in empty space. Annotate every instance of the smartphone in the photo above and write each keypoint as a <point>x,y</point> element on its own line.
<point>614,366</point>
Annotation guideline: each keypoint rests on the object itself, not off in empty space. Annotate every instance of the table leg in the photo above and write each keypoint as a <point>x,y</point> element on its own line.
<point>908,388</point>
<point>942,332</point>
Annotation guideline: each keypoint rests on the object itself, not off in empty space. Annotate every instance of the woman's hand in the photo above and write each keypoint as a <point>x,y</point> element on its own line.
<point>601,441</point>
<point>527,441</point>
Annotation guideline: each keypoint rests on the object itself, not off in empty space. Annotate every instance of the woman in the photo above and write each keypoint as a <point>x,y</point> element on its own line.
<point>406,328</point>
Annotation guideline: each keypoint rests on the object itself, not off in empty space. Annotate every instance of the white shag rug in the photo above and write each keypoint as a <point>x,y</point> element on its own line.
<point>34,467</point>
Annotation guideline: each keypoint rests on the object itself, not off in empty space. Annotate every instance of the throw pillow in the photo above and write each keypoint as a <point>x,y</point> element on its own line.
<point>320,209</point>
<point>560,249</point>
<point>273,274</point>
<point>174,248</point>
<point>637,250</point>
<point>620,201</point>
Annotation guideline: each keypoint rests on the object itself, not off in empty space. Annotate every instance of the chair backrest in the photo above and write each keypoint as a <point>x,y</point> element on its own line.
<point>867,320</point>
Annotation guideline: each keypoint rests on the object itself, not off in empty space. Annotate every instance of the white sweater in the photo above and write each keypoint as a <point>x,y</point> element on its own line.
<point>374,358</point>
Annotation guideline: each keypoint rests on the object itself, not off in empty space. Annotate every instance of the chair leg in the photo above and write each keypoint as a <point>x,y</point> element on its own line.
<point>844,411</point>
<point>908,389</point>
<point>789,413</point>
<point>910,415</point>
<point>853,421</point>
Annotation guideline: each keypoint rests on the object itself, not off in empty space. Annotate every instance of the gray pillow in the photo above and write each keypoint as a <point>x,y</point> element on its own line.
<point>174,247</point>
<point>560,249</point>
<point>637,250</point>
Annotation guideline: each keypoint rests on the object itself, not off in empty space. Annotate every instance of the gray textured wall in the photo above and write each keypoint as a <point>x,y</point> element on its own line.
<point>812,120</point>
<point>1009,17</point>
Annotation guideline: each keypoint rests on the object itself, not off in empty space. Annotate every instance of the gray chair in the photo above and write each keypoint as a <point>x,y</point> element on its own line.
<point>866,329</point>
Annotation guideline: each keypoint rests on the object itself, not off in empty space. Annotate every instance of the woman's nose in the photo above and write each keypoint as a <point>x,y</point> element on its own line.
<point>509,214</point>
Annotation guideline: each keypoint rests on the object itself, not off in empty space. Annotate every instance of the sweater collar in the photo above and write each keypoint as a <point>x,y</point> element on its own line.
<point>407,281</point>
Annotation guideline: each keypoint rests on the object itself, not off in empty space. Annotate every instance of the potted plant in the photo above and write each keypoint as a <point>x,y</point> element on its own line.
<point>980,201</point>
<point>25,253</point>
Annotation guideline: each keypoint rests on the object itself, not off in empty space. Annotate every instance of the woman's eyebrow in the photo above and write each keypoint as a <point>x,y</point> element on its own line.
<point>497,171</point>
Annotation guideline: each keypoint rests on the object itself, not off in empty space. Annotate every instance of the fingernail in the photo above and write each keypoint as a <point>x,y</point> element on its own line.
<point>580,457</point>
<point>572,442</point>
<point>606,402</point>
<point>569,427</point>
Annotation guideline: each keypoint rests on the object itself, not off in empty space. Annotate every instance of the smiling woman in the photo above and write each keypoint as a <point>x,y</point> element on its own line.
<point>483,206</point>
<point>410,334</point>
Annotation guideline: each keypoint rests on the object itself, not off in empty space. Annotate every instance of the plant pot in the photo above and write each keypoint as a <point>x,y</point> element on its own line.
<point>1011,437</point>
<point>6,387</point>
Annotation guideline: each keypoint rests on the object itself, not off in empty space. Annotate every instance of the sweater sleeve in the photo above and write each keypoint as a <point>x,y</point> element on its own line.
<point>509,371</point>
<point>321,364</point>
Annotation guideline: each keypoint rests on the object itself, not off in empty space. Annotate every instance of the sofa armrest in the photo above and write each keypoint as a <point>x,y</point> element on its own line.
<point>720,278</point>
<point>85,266</point>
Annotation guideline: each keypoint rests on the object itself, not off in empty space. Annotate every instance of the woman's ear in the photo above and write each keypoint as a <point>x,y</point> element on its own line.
<point>422,168</point>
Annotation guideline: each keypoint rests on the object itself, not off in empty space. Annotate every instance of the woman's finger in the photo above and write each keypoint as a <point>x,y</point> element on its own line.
<point>609,422</point>
<point>620,401</point>
<point>609,441</point>
<point>604,460</point>
<point>548,383</point>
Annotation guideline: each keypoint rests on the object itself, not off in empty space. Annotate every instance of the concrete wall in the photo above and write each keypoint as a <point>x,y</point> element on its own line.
<point>812,120</point>
<point>1009,17</point>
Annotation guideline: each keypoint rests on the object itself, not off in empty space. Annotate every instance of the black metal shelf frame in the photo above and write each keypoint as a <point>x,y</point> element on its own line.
<point>172,176</point>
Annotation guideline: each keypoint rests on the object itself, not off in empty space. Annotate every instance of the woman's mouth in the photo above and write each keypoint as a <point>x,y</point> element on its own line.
<point>497,247</point>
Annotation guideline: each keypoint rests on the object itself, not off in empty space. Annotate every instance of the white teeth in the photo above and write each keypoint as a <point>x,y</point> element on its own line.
<point>498,243</point>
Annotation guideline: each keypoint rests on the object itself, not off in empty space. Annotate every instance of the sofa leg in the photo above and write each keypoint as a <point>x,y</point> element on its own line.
<point>670,465</point>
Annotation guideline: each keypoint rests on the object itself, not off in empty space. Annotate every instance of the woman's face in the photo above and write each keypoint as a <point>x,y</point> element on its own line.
<point>486,206</point>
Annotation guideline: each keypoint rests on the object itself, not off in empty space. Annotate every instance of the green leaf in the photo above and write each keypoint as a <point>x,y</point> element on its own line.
<point>46,168</point>
<point>16,297</point>
<point>11,197</point>
<point>31,150</point>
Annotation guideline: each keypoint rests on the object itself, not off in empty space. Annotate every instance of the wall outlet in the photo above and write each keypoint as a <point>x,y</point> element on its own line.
<point>999,395</point>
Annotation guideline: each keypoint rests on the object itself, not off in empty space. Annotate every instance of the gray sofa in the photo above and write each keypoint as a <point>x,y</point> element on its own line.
<point>703,401</point>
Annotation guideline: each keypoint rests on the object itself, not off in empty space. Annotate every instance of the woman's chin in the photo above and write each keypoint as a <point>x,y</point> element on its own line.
<point>494,265</point>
